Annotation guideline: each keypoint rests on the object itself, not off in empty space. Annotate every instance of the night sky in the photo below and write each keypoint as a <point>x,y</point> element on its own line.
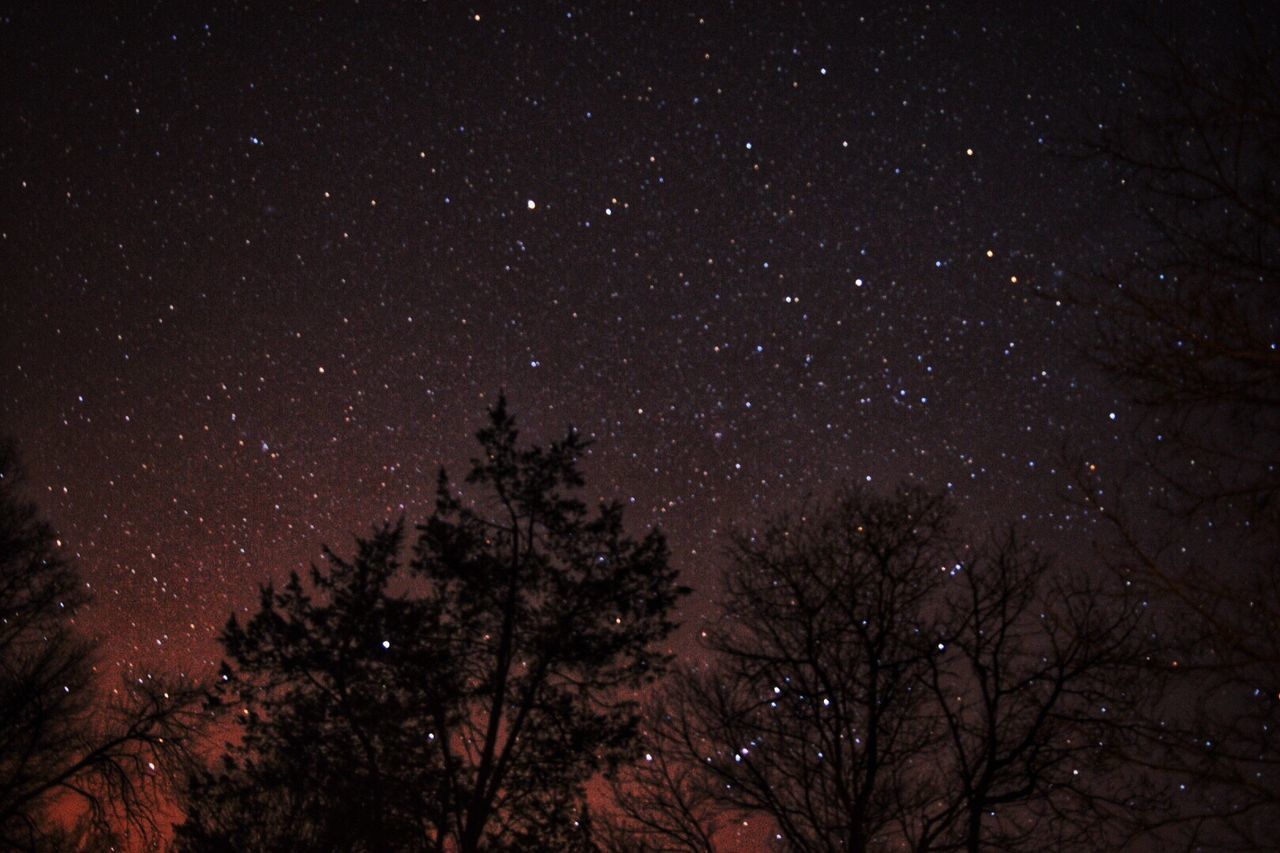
<point>264,268</point>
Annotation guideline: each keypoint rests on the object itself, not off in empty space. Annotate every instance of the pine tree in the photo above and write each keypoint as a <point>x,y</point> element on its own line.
<point>460,701</point>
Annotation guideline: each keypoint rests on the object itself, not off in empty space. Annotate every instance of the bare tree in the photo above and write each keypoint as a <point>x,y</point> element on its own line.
<point>1189,327</point>
<point>64,739</point>
<point>875,683</point>
<point>1189,324</point>
<point>1035,687</point>
<point>662,802</point>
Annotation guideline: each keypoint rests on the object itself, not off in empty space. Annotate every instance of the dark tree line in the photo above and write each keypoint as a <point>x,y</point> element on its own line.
<point>876,679</point>
<point>81,765</point>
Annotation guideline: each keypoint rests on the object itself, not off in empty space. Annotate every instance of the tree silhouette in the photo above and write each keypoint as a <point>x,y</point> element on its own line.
<point>1037,670</point>
<point>333,752</point>
<point>1188,324</point>
<point>461,701</point>
<point>1188,329</point>
<point>874,683</point>
<point>663,802</point>
<point>105,760</point>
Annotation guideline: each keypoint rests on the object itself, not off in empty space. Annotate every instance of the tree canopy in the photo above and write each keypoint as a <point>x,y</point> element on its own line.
<point>460,699</point>
<point>877,681</point>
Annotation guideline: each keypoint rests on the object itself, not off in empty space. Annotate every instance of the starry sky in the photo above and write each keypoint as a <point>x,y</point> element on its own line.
<point>266,266</point>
